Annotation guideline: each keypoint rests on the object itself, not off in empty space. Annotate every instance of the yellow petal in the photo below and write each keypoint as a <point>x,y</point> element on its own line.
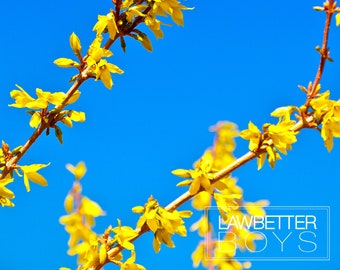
<point>33,167</point>
<point>102,254</point>
<point>65,63</point>
<point>35,120</point>
<point>138,209</point>
<point>27,183</point>
<point>112,28</point>
<point>74,97</point>
<point>195,186</point>
<point>75,43</point>
<point>202,200</point>
<point>77,116</point>
<point>67,121</point>
<point>78,171</point>
<point>91,208</point>
<point>37,178</point>
<point>337,19</point>
<point>105,77</point>
<point>182,173</point>
<point>184,183</point>
<point>69,203</point>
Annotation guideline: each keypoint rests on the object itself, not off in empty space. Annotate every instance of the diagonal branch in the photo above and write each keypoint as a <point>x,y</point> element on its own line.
<point>216,177</point>
<point>302,123</point>
<point>329,7</point>
<point>10,164</point>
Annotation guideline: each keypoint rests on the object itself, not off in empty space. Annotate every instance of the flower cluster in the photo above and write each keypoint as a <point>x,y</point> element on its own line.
<point>93,63</point>
<point>323,114</point>
<point>80,219</point>
<point>6,194</point>
<point>39,108</point>
<point>161,222</point>
<point>273,138</point>
<point>118,23</point>
<point>28,172</point>
<point>226,195</point>
<point>91,248</point>
<point>327,113</point>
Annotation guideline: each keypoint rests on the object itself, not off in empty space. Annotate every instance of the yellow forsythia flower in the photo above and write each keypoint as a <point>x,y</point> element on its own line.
<point>30,174</point>
<point>282,135</point>
<point>107,21</point>
<point>100,68</point>
<point>78,171</point>
<point>162,222</point>
<point>75,43</point>
<point>123,236</point>
<point>66,63</point>
<point>5,193</point>
<point>253,135</point>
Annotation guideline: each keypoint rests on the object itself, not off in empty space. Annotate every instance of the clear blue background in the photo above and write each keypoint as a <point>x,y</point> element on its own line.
<point>233,60</point>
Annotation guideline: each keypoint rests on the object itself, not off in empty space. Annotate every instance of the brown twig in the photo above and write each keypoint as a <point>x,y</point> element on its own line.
<point>83,76</point>
<point>330,7</point>
<point>43,126</point>
<point>302,123</point>
<point>216,177</point>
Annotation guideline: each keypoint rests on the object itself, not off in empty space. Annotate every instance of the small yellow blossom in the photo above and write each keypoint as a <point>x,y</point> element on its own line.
<point>6,194</point>
<point>35,120</point>
<point>253,134</point>
<point>203,226</point>
<point>272,155</point>
<point>123,236</point>
<point>161,222</point>
<point>329,112</point>
<point>130,264</point>
<point>283,113</point>
<point>44,98</point>
<point>321,104</point>
<point>202,200</point>
<point>104,72</point>
<point>199,255</point>
<point>135,11</point>
<point>75,43</point>
<point>100,68</point>
<point>282,135</point>
<point>23,99</point>
<point>200,176</point>
<point>106,22</point>
<point>66,63</point>
<point>90,208</point>
<point>226,203</point>
<point>30,174</point>
<point>256,208</point>
<point>78,171</point>
<point>224,144</point>
<point>154,25</point>
<point>171,7</point>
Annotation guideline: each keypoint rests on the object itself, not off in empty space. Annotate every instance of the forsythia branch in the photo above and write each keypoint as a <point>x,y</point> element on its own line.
<point>330,8</point>
<point>305,122</point>
<point>216,177</point>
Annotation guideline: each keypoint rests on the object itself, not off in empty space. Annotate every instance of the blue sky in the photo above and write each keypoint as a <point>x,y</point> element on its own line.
<point>234,61</point>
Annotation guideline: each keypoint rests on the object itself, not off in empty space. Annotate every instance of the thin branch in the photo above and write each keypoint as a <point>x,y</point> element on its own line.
<point>9,166</point>
<point>36,134</point>
<point>324,51</point>
<point>216,177</point>
<point>305,122</point>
